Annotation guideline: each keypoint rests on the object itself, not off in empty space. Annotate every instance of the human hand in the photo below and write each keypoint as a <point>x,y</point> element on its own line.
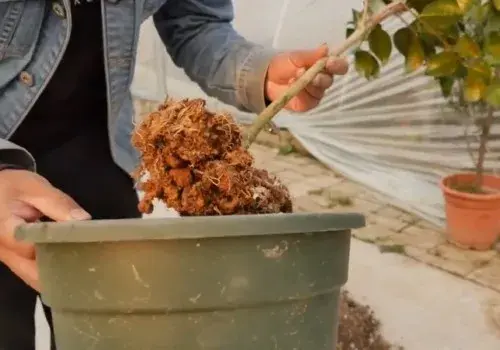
<point>285,68</point>
<point>26,197</point>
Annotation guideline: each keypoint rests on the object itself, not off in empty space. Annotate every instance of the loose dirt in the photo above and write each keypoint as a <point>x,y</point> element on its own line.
<point>359,329</point>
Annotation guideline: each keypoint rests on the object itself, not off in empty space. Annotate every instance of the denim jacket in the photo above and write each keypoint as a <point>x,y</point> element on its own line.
<point>198,36</point>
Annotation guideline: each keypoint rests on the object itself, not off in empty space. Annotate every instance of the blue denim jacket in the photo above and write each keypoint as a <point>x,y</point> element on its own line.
<point>197,33</point>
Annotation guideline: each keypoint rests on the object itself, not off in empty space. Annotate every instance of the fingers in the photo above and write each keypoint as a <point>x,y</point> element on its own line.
<point>337,66</point>
<point>306,58</point>
<point>24,211</point>
<point>24,268</point>
<point>53,203</point>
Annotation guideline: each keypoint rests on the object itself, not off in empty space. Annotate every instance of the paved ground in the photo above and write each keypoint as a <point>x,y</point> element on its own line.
<point>316,188</point>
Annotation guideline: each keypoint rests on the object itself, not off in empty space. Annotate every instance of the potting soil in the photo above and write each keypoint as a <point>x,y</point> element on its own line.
<point>194,162</point>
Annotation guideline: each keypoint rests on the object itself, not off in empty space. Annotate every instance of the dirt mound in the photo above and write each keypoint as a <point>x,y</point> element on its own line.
<point>193,161</point>
<point>358,328</point>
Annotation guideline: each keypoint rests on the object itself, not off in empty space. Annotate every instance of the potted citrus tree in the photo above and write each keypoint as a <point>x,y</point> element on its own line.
<point>457,42</point>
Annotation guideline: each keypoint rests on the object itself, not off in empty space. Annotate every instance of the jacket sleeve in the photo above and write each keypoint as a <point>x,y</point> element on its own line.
<point>15,156</point>
<point>200,39</point>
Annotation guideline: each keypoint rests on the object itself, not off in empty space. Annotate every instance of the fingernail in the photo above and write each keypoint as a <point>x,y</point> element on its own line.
<point>79,214</point>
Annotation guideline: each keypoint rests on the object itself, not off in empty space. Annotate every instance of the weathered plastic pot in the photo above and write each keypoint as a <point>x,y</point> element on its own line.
<point>259,282</point>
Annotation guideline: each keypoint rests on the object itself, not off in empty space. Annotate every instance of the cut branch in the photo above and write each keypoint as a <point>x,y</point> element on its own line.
<point>364,27</point>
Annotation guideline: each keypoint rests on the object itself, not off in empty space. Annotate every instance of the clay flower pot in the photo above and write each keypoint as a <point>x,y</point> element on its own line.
<point>473,220</point>
<point>193,283</point>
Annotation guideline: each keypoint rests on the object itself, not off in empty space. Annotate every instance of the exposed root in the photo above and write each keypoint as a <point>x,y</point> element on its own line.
<point>195,163</point>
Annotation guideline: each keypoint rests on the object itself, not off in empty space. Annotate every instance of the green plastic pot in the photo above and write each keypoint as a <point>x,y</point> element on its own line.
<point>260,282</point>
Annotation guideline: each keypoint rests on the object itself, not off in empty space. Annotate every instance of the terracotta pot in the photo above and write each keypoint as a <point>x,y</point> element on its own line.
<point>222,283</point>
<point>473,220</point>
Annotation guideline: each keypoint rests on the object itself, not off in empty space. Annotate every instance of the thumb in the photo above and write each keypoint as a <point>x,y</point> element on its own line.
<point>306,58</point>
<point>54,203</point>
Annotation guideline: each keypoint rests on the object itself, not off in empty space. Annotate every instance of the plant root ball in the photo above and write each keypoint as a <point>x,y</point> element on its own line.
<point>193,161</point>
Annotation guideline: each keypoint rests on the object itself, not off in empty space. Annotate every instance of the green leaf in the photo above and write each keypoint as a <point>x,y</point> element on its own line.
<point>474,87</point>
<point>446,84</point>
<point>492,22</point>
<point>365,64</point>
<point>465,5</point>
<point>418,4</point>
<point>492,48</point>
<point>496,4</point>
<point>402,38</point>
<point>466,47</point>
<point>479,12</point>
<point>492,94</point>
<point>380,44</point>
<point>480,68</point>
<point>415,57</point>
<point>441,14</point>
<point>443,64</point>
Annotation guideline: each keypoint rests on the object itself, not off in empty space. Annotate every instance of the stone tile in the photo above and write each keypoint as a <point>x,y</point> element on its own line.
<point>416,237</point>
<point>488,275</point>
<point>289,176</point>
<point>477,259</point>
<point>307,204</point>
<point>427,225</point>
<point>324,181</point>
<point>343,188</point>
<point>395,213</point>
<point>372,233</point>
<point>313,170</point>
<point>358,205</point>
<point>320,199</point>
<point>296,160</point>
<point>370,196</point>
<point>395,225</point>
<point>299,189</point>
<point>276,166</point>
<point>427,256</point>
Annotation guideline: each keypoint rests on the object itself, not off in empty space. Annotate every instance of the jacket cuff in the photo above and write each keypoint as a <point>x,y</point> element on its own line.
<point>252,78</point>
<point>15,155</point>
<point>6,166</point>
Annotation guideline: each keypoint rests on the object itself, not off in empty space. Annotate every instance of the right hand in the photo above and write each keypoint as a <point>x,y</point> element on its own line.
<point>25,197</point>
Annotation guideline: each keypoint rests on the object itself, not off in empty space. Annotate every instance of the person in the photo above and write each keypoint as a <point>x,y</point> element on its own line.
<point>66,113</point>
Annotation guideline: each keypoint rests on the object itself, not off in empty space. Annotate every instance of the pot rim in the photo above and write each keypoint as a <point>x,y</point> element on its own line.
<point>185,228</point>
<point>476,197</point>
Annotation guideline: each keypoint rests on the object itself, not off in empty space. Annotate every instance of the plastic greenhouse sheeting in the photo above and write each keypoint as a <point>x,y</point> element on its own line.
<point>395,134</point>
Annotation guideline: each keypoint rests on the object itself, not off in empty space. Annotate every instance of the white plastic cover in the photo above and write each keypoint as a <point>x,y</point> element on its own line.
<point>395,134</point>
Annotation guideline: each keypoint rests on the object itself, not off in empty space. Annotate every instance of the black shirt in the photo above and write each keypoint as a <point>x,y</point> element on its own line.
<point>74,101</point>
<point>66,131</point>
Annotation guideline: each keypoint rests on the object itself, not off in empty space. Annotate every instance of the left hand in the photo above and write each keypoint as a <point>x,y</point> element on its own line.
<point>285,68</point>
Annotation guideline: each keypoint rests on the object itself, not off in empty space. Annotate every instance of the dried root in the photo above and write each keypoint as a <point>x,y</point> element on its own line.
<point>193,161</point>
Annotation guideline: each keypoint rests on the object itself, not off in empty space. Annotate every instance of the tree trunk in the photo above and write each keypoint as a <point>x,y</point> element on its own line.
<point>483,141</point>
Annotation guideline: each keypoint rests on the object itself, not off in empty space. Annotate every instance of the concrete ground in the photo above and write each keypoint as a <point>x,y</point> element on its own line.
<point>427,293</point>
